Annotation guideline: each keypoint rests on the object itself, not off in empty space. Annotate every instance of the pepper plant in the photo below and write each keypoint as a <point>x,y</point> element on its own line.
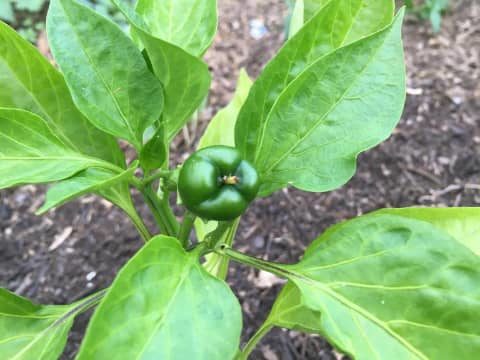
<point>394,284</point>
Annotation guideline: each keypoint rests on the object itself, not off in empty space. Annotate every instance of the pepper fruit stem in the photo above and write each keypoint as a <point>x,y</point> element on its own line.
<point>231,180</point>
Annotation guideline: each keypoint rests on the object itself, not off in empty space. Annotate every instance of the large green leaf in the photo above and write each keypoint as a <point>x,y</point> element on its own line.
<point>369,14</point>
<point>105,72</point>
<point>164,305</point>
<point>28,81</point>
<point>29,331</point>
<point>88,181</point>
<point>31,153</point>
<point>185,78</point>
<point>34,332</point>
<point>387,287</point>
<point>461,223</point>
<point>189,24</point>
<point>320,36</point>
<point>329,114</point>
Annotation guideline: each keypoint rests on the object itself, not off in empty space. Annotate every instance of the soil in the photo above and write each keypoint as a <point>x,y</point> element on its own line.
<point>431,159</point>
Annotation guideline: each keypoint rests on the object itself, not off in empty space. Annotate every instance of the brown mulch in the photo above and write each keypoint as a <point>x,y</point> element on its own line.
<point>431,159</point>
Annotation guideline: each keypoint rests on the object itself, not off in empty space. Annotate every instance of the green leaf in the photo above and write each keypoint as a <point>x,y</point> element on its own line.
<point>160,299</point>
<point>29,331</point>
<point>189,24</point>
<point>185,78</point>
<point>87,181</point>
<point>34,332</point>
<point>105,72</point>
<point>369,14</point>
<point>463,223</point>
<point>154,152</point>
<point>220,130</point>
<point>289,311</point>
<point>28,81</point>
<point>31,153</point>
<point>387,287</point>
<point>324,33</point>
<point>328,113</point>
<point>297,19</point>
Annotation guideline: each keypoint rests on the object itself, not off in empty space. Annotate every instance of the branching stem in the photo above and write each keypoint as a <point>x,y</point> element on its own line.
<point>160,174</point>
<point>186,229</point>
<point>161,211</point>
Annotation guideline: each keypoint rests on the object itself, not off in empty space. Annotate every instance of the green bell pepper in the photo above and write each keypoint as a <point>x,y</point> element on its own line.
<point>215,183</point>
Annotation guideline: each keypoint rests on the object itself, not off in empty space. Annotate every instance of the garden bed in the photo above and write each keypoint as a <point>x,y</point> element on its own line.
<point>433,158</point>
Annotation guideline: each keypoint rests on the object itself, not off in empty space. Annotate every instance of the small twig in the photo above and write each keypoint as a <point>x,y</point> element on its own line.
<point>424,174</point>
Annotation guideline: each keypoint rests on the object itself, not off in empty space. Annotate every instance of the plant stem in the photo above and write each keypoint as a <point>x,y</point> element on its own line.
<point>252,261</point>
<point>254,340</point>
<point>162,173</point>
<point>81,306</point>
<point>186,229</point>
<point>222,268</point>
<point>161,211</point>
<point>140,226</point>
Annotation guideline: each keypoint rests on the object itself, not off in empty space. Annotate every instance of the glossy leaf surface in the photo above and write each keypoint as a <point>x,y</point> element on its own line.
<point>32,332</point>
<point>189,24</point>
<point>386,287</point>
<point>329,114</point>
<point>160,298</point>
<point>185,78</point>
<point>294,123</point>
<point>111,85</point>
<point>320,36</point>
<point>88,181</point>
<point>369,14</point>
<point>31,153</point>
<point>28,81</point>
<point>461,223</point>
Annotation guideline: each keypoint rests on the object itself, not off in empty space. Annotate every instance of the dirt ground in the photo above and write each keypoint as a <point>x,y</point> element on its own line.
<point>431,159</point>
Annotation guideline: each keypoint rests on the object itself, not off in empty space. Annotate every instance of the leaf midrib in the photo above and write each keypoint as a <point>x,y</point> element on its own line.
<point>262,131</point>
<point>183,277</point>
<point>363,312</point>
<point>320,121</point>
<point>100,76</point>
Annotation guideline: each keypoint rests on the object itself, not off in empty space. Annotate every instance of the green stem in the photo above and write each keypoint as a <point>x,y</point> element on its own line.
<point>252,261</point>
<point>222,270</point>
<point>214,237</point>
<point>80,307</point>
<point>139,225</point>
<point>186,229</point>
<point>254,340</point>
<point>161,211</point>
<point>162,173</point>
